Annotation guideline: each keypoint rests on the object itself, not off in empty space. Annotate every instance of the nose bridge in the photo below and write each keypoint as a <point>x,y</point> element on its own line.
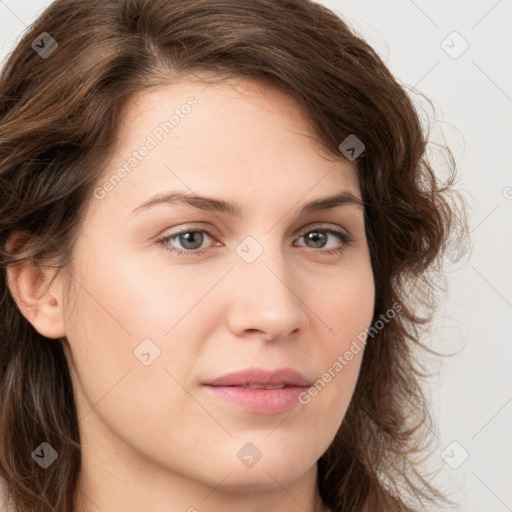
<point>266,299</point>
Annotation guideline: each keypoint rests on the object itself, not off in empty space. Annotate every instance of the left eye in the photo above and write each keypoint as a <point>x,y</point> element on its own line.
<point>192,240</point>
<point>320,235</point>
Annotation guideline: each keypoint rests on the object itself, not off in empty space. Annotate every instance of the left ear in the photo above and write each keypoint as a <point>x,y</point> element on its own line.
<point>38,293</point>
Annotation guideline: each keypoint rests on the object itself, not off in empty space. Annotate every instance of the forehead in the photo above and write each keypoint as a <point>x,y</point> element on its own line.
<point>226,116</point>
<point>234,138</point>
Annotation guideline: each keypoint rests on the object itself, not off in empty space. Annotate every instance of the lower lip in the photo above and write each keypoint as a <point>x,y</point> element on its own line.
<point>262,401</point>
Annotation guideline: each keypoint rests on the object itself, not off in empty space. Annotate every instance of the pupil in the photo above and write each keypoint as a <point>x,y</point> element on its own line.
<point>315,237</point>
<point>187,237</point>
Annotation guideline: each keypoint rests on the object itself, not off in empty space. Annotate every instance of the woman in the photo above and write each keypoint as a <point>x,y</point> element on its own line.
<point>218,237</point>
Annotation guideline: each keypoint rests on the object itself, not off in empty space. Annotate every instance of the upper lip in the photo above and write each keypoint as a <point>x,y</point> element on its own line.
<point>261,377</point>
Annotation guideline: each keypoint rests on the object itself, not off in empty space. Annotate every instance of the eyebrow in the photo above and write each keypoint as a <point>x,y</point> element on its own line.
<point>235,209</point>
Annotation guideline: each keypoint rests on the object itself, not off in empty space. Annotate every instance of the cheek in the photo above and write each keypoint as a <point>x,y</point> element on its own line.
<point>125,316</point>
<point>162,299</point>
<point>129,299</point>
<point>111,329</point>
<point>346,308</point>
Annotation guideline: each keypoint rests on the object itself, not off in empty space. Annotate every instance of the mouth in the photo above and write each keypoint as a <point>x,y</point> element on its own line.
<point>260,391</point>
<point>262,378</point>
<point>264,386</point>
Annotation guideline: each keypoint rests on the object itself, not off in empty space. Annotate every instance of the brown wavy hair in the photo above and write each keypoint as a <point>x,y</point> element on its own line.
<point>59,117</point>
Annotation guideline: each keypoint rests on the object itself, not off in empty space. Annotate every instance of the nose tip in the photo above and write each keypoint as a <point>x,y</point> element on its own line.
<point>268,307</point>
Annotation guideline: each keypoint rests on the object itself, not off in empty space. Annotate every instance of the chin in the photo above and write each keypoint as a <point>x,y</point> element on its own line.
<point>259,464</point>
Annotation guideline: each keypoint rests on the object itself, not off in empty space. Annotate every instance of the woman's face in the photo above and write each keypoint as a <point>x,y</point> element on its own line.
<point>155,316</point>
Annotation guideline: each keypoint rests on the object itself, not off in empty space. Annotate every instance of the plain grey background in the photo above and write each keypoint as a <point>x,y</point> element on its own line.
<point>458,54</point>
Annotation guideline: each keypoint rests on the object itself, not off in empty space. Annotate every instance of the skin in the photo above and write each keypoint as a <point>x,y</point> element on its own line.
<point>152,439</point>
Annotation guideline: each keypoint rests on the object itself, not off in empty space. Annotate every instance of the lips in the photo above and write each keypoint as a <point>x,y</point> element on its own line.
<point>261,378</point>
<point>258,390</point>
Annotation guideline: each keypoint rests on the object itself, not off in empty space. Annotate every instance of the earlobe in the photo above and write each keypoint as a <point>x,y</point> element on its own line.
<point>38,296</point>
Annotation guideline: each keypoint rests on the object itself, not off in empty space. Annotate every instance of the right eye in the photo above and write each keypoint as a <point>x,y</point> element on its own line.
<point>190,239</point>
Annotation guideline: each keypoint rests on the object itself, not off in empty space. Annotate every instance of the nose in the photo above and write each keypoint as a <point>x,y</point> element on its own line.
<point>265,303</point>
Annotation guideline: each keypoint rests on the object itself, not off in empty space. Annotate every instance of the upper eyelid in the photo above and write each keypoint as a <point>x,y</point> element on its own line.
<point>211,232</point>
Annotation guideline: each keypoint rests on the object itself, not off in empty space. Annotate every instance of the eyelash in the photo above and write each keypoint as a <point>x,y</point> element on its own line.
<point>345,238</point>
